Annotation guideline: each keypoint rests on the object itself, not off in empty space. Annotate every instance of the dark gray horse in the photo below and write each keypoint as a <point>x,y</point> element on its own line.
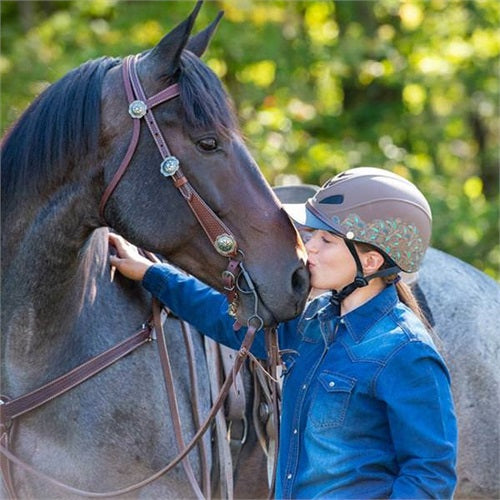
<point>463,306</point>
<point>59,307</point>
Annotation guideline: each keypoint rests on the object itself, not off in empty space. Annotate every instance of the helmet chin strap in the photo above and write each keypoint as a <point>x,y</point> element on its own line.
<point>360,280</point>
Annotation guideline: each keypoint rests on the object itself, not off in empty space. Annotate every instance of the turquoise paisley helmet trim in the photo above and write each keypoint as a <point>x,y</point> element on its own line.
<point>399,240</point>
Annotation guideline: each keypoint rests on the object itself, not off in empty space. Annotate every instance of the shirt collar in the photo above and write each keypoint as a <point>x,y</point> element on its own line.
<point>360,320</point>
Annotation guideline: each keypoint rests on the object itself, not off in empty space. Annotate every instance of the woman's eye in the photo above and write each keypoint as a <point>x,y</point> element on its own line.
<point>328,240</point>
<point>208,144</point>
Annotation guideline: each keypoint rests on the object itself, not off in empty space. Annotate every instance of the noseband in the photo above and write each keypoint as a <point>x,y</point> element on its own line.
<point>140,107</point>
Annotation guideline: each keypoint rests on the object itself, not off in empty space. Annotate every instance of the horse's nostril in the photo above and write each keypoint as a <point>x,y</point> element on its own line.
<point>300,280</point>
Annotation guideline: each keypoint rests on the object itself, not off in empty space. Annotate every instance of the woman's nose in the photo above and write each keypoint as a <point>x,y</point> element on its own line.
<point>310,246</point>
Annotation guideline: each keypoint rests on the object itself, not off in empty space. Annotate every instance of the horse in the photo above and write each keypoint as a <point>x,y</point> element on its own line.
<point>78,164</point>
<point>462,304</point>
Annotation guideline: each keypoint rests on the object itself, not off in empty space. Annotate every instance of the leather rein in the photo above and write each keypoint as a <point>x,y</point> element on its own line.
<point>225,244</point>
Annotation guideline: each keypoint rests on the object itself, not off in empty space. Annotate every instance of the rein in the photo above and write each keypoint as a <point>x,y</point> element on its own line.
<point>225,244</point>
<point>11,409</point>
<point>6,421</point>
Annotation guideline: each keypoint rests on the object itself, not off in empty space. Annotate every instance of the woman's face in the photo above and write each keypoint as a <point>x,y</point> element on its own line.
<point>330,262</point>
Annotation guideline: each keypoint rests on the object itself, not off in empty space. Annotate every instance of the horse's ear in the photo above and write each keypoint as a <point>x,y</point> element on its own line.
<point>170,47</point>
<point>199,43</point>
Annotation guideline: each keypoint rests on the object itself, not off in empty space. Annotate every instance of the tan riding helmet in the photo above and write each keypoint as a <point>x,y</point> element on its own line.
<point>374,206</point>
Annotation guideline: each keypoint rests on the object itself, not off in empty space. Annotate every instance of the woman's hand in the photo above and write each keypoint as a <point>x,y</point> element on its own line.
<point>128,260</point>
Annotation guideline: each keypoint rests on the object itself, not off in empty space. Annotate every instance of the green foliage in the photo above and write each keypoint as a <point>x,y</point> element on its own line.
<point>319,87</point>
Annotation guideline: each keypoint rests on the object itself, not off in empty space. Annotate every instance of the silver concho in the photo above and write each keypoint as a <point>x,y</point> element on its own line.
<point>225,244</point>
<point>137,109</point>
<point>169,166</point>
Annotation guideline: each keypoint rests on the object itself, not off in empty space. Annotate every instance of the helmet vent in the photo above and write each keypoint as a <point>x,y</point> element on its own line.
<point>336,199</point>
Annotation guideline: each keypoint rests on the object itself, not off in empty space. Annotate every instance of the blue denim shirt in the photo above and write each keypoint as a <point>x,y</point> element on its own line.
<point>367,407</point>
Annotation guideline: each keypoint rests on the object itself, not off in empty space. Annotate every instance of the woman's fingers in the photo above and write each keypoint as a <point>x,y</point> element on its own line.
<point>123,248</point>
<point>127,258</point>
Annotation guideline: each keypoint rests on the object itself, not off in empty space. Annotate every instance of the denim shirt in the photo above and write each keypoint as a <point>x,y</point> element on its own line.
<point>367,408</point>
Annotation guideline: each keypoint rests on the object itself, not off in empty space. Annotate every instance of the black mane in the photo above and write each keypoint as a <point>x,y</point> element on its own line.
<point>203,98</point>
<point>58,129</point>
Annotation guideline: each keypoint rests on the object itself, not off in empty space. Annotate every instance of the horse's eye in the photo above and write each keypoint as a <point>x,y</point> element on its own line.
<point>208,144</point>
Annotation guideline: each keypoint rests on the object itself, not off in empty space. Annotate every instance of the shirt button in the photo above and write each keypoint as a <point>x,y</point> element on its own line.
<point>289,476</point>
<point>295,431</point>
<point>304,386</point>
<point>331,384</point>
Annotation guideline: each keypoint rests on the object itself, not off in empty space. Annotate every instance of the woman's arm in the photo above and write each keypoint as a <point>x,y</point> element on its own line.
<point>198,304</point>
<point>415,385</point>
<point>187,297</point>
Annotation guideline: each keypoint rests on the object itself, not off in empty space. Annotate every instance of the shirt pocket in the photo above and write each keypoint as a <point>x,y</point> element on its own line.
<point>331,400</point>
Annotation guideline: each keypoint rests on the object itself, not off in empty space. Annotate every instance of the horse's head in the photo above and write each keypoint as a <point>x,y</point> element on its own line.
<point>199,129</point>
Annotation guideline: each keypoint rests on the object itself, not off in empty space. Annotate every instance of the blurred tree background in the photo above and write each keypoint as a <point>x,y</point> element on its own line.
<point>319,86</point>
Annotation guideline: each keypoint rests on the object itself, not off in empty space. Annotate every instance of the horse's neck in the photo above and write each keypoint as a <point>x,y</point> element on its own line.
<point>42,256</point>
<point>55,285</point>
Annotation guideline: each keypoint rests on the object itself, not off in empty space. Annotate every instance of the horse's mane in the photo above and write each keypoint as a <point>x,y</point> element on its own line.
<point>61,127</point>
<point>57,130</point>
<point>203,98</point>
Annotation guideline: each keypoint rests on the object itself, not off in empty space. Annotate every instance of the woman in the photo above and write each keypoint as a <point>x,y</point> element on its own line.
<point>367,409</point>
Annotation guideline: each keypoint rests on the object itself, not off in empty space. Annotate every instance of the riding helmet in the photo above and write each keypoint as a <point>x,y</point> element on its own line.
<point>373,206</point>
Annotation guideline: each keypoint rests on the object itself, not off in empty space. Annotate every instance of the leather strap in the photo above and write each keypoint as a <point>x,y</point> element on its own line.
<point>11,409</point>
<point>262,415</point>
<point>225,463</point>
<point>160,314</point>
<point>195,398</point>
<point>242,354</point>
<point>235,407</point>
<point>172,398</point>
<point>236,400</point>
<point>212,225</point>
<point>149,116</point>
<point>165,95</point>
<point>273,360</point>
<point>23,404</point>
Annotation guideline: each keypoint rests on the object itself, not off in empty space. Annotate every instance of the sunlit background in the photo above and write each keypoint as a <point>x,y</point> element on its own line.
<point>319,86</point>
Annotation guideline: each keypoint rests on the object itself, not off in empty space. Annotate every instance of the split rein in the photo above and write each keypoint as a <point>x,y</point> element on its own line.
<point>225,244</point>
<point>11,409</point>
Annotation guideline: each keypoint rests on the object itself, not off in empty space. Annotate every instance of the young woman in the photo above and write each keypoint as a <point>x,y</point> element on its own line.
<point>367,410</point>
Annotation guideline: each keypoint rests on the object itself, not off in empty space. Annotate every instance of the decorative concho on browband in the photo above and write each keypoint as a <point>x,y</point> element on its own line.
<point>137,109</point>
<point>399,240</point>
<point>169,166</point>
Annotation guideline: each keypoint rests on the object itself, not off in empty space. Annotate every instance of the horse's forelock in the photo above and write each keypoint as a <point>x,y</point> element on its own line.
<point>59,129</point>
<point>203,98</point>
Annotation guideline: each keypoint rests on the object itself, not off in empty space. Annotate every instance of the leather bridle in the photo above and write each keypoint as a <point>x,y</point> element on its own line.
<point>140,107</point>
<point>224,243</point>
